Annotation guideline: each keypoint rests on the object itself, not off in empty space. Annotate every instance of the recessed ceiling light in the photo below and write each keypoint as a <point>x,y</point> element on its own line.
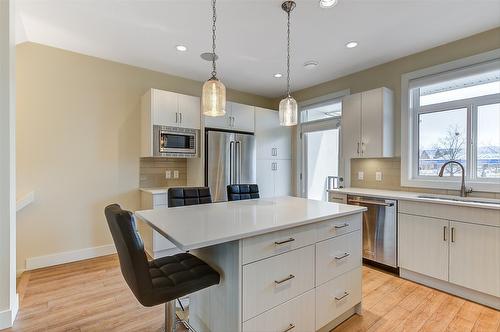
<point>278,75</point>
<point>310,64</point>
<point>327,3</point>
<point>351,44</point>
<point>181,48</point>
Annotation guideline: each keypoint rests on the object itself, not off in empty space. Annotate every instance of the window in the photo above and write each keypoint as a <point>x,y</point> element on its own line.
<point>454,115</point>
<point>326,110</point>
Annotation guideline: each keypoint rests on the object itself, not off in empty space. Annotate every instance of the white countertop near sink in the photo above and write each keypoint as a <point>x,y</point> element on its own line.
<point>197,226</point>
<point>415,196</point>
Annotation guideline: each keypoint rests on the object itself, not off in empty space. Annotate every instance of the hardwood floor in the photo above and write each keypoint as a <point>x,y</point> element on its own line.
<point>92,296</point>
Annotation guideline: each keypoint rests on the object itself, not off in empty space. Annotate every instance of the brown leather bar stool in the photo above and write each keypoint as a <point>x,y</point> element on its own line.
<point>159,281</point>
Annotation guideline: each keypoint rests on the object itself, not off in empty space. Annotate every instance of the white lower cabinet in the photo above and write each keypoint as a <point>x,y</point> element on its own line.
<point>290,316</point>
<point>475,257</point>
<point>337,296</point>
<point>423,245</point>
<point>272,281</point>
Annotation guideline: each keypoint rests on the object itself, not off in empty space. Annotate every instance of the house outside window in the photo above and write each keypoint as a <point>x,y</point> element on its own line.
<point>453,115</point>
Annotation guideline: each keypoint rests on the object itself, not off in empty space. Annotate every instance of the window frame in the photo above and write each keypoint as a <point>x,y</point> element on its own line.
<point>410,125</point>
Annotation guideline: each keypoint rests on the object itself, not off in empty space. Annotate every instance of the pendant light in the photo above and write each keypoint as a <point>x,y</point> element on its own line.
<point>288,106</point>
<point>213,99</point>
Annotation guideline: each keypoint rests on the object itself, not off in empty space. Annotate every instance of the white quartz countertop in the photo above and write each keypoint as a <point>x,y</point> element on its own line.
<point>485,203</point>
<point>154,191</point>
<point>198,226</point>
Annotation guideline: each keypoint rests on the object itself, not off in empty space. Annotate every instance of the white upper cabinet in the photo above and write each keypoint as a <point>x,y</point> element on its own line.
<point>273,141</point>
<point>174,109</point>
<point>238,117</point>
<point>368,124</point>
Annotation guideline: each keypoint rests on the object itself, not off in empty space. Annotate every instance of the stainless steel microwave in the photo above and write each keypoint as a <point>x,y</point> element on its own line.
<point>175,142</point>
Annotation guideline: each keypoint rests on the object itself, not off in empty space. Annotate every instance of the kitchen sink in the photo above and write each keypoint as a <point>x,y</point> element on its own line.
<point>461,199</point>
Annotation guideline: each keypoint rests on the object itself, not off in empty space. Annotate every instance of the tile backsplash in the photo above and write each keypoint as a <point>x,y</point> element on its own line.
<point>152,172</point>
<point>391,177</point>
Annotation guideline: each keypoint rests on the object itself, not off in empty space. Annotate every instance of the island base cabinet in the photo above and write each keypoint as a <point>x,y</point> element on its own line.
<point>475,257</point>
<point>289,316</point>
<point>337,296</point>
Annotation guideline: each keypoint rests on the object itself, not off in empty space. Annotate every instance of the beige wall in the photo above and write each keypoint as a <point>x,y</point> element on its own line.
<point>78,144</point>
<point>389,74</point>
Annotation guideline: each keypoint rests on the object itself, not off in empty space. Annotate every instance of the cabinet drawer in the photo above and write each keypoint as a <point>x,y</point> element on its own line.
<point>338,226</point>
<point>337,296</point>
<point>337,256</point>
<point>279,242</point>
<point>294,315</point>
<point>275,280</point>
<point>159,200</point>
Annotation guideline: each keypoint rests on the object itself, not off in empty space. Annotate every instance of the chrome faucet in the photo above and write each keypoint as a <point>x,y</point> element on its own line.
<point>463,190</point>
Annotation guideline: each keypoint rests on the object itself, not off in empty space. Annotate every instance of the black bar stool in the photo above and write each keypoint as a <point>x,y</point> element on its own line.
<point>237,192</point>
<point>184,196</point>
<point>159,281</point>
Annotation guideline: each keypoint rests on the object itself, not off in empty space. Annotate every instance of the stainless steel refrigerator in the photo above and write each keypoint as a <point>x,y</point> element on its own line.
<point>230,158</point>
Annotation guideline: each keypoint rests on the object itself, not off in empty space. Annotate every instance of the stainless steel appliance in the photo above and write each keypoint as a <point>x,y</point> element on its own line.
<point>230,158</point>
<point>379,230</point>
<point>175,142</point>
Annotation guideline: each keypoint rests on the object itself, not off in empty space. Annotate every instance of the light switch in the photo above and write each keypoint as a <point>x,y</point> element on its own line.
<point>378,176</point>
<point>168,174</point>
<point>176,174</point>
<point>361,175</point>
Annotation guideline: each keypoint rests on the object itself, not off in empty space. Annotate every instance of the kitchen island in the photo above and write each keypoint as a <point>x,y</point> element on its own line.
<point>286,263</point>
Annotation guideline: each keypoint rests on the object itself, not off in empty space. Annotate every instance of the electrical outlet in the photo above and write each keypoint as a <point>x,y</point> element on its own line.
<point>176,174</point>
<point>378,176</point>
<point>361,175</point>
<point>168,174</point>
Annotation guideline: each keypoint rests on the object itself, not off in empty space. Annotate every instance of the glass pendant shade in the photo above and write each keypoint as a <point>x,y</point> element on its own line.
<point>288,111</point>
<point>213,99</point>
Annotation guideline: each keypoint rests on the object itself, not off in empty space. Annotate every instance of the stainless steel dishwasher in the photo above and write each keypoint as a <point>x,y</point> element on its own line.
<point>379,230</point>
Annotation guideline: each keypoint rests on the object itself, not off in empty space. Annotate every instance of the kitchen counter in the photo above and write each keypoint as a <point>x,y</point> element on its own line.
<point>198,226</point>
<point>416,196</point>
<point>154,191</point>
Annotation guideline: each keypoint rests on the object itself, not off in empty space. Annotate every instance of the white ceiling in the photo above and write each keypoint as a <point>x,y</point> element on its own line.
<point>251,34</point>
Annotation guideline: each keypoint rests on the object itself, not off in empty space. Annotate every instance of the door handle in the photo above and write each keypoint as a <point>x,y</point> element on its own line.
<point>357,150</point>
<point>180,116</point>
<point>176,117</point>
<point>342,256</point>
<point>444,233</point>
<point>369,202</point>
<point>231,162</point>
<point>289,328</point>
<point>341,226</point>
<point>453,234</point>
<point>238,161</point>
<point>290,277</point>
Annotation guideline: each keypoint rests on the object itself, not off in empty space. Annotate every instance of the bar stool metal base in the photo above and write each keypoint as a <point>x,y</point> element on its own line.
<point>170,317</point>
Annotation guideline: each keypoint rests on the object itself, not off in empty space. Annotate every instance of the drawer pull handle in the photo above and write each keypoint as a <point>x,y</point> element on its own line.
<point>284,241</point>
<point>343,256</point>
<point>341,226</point>
<point>277,282</point>
<point>289,328</point>
<point>343,296</point>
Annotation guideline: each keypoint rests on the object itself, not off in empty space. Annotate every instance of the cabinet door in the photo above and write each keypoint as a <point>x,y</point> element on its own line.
<point>221,122</point>
<point>265,126</point>
<point>243,117</point>
<point>475,257</point>
<point>265,177</point>
<point>423,245</point>
<point>273,140</point>
<point>190,111</point>
<point>283,177</point>
<point>165,108</point>
<point>351,126</point>
<point>372,117</point>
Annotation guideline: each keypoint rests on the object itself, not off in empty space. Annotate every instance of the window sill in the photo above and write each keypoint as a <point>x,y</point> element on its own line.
<point>482,186</point>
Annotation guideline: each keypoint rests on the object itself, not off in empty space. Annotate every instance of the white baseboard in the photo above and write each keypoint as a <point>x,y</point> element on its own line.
<point>466,293</point>
<point>7,317</point>
<point>69,256</point>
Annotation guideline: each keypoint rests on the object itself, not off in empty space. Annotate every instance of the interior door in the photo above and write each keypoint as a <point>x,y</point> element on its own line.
<point>219,165</point>
<point>475,248</point>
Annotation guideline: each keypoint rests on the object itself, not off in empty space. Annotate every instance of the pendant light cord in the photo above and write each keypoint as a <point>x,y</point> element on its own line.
<point>214,20</point>
<point>288,56</point>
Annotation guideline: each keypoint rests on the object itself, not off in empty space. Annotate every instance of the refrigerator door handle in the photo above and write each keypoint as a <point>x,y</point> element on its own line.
<point>231,162</point>
<point>238,161</point>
